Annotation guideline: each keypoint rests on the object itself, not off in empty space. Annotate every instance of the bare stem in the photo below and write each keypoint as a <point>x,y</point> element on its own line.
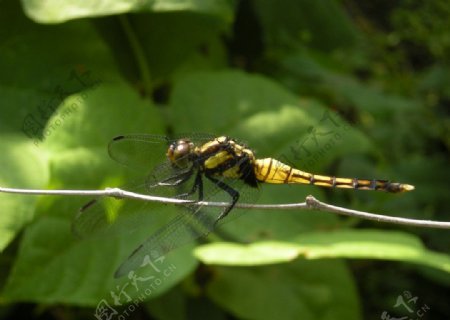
<point>311,203</point>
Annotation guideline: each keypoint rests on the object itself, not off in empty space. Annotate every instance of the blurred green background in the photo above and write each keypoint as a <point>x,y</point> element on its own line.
<point>345,88</point>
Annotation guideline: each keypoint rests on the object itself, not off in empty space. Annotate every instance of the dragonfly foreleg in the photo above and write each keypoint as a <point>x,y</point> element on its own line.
<point>233,193</point>
<point>176,180</point>
<point>198,184</point>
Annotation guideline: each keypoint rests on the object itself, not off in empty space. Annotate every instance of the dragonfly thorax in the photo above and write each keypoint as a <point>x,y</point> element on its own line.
<point>224,157</point>
<point>179,153</point>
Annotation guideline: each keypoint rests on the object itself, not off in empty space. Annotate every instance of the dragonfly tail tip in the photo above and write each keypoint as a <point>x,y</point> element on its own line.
<point>408,187</point>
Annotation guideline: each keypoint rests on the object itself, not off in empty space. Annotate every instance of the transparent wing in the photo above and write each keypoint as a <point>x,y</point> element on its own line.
<point>106,214</point>
<point>193,222</point>
<point>141,152</point>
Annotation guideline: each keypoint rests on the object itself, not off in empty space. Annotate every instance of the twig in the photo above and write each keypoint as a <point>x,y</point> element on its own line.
<point>108,192</point>
<point>311,203</point>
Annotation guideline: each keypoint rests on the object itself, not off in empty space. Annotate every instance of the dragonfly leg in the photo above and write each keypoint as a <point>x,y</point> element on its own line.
<point>233,193</point>
<point>198,184</point>
<point>174,181</point>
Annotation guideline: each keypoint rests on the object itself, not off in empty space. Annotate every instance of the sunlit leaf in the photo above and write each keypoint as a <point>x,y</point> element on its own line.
<point>56,12</point>
<point>356,244</point>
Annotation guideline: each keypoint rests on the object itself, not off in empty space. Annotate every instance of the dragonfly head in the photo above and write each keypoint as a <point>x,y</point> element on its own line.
<point>179,152</point>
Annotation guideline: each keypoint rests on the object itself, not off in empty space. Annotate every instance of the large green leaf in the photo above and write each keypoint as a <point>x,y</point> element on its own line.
<point>357,244</point>
<point>37,75</point>
<point>22,166</point>
<point>30,90</point>
<point>321,24</point>
<point>56,12</point>
<point>53,267</point>
<point>300,290</point>
<point>193,44</point>
<point>327,78</point>
<point>265,115</point>
<point>73,109</point>
<point>86,267</point>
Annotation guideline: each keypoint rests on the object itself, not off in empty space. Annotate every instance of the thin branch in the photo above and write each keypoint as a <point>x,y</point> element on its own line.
<point>311,203</point>
<point>108,192</point>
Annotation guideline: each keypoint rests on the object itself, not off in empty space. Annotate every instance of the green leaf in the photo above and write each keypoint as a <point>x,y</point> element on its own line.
<point>22,166</point>
<point>78,135</point>
<point>321,24</point>
<point>56,12</point>
<point>266,116</point>
<point>300,290</point>
<point>85,268</point>
<point>31,89</point>
<point>316,75</point>
<point>53,267</point>
<point>193,36</point>
<point>81,117</point>
<point>364,244</point>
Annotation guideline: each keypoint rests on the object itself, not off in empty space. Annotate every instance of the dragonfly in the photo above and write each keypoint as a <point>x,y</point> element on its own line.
<point>200,168</point>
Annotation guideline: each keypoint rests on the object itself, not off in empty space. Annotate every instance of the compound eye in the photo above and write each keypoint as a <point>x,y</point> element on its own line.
<point>182,149</point>
<point>178,152</point>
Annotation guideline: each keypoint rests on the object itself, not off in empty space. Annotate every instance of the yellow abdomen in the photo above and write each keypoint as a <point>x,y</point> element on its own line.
<point>273,171</point>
